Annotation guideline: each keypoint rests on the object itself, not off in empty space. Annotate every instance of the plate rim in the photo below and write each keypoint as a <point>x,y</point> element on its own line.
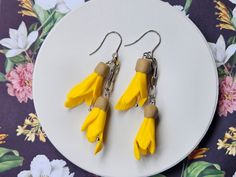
<point>194,27</point>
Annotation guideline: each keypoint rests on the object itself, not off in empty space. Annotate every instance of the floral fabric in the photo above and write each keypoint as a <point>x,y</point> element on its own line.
<point>25,150</point>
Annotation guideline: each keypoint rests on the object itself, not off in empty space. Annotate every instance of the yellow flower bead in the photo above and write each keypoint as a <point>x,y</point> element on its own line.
<point>95,123</point>
<point>89,89</point>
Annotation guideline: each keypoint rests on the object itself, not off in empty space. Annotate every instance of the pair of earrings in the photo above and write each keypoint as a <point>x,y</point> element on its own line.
<point>96,89</point>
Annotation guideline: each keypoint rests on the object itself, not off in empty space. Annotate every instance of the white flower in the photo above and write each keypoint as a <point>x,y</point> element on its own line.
<point>233,1</point>
<point>234,175</point>
<point>24,174</point>
<point>19,40</point>
<point>42,167</point>
<point>63,6</point>
<point>220,52</point>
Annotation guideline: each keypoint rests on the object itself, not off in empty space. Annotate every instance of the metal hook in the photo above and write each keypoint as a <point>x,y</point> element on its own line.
<point>150,31</point>
<point>115,55</point>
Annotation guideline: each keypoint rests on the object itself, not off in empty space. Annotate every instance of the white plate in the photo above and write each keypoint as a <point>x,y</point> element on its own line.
<point>187,87</point>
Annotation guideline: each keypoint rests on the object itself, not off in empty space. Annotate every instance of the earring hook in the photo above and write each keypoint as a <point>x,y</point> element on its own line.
<point>115,55</point>
<point>150,31</point>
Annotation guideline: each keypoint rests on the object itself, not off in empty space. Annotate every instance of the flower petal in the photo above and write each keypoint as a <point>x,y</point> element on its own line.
<point>233,1</point>
<point>32,38</point>
<point>22,41</point>
<point>24,174</point>
<point>220,49</point>
<point>218,53</point>
<point>13,34</point>
<point>58,163</point>
<point>230,51</point>
<point>46,4</point>
<point>60,172</point>
<point>136,151</point>
<point>9,43</point>
<point>13,52</point>
<point>62,8</point>
<point>22,30</point>
<point>73,4</point>
<point>234,12</point>
<point>99,144</point>
<point>221,42</point>
<point>90,118</point>
<point>213,48</point>
<point>40,166</point>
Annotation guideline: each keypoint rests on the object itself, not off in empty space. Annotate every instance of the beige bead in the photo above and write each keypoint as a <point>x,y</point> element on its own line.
<point>150,111</point>
<point>102,69</point>
<point>102,103</point>
<point>143,65</point>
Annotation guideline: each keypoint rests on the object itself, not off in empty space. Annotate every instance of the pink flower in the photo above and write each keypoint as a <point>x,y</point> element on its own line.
<point>20,82</point>
<point>227,100</point>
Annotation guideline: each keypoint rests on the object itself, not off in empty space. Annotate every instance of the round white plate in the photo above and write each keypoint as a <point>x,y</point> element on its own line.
<point>187,87</point>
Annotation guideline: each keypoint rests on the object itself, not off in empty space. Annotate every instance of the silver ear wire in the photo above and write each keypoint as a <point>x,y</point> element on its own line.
<point>150,31</point>
<point>115,55</point>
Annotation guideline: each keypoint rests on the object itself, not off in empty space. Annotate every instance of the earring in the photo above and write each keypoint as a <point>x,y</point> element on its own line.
<point>95,90</point>
<point>141,89</point>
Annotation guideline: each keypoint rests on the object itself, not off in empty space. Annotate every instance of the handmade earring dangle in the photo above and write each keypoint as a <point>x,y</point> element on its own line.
<point>137,92</point>
<point>95,90</point>
<point>142,89</point>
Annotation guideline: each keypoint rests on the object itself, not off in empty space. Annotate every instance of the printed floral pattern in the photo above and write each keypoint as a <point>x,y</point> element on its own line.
<point>3,137</point>
<point>31,129</point>
<point>20,82</point>
<point>220,52</point>
<point>229,142</point>
<point>19,40</point>
<point>41,166</point>
<point>227,100</point>
<point>225,16</point>
<point>18,51</point>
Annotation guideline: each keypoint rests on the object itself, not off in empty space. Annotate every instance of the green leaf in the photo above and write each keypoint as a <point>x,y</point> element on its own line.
<point>41,13</point>
<point>2,77</point>
<point>37,45</point>
<point>8,65</point>
<point>231,40</point>
<point>33,27</point>
<point>4,151</point>
<point>58,16</point>
<point>47,27</point>
<point>221,72</point>
<point>232,60</point>
<point>187,5</point>
<point>203,169</point>
<point>17,59</point>
<point>9,159</point>
<point>212,173</point>
<point>159,175</point>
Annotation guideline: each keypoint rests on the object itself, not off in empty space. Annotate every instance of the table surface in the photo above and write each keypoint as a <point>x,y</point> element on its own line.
<point>24,147</point>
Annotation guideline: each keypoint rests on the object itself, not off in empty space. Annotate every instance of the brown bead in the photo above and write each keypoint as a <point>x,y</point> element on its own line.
<point>143,65</point>
<point>102,103</point>
<point>150,111</point>
<point>102,69</point>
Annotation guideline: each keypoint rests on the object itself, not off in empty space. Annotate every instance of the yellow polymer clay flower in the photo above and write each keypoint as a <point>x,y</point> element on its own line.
<point>89,89</point>
<point>145,141</point>
<point>137,92</point>
<point>95,123</point>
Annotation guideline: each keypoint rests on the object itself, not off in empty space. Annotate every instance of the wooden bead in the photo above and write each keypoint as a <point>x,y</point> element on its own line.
<point>143,65</point>
<point>102,69</point>
<point>102,103</point>
<point>150,111</point>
